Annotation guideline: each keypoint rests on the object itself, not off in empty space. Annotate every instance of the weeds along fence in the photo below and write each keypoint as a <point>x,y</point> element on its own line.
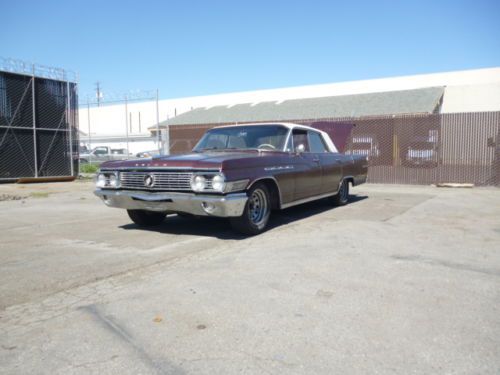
<point>411,149</point>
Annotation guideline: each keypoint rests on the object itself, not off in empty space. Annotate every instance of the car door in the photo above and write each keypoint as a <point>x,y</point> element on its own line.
<point>308,173</point>
<point>331,163</point>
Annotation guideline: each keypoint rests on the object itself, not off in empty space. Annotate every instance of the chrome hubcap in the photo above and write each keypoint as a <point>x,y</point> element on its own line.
<point>257,207</point>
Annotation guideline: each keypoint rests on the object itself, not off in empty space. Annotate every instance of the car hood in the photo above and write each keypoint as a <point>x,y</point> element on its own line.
<point>202,160</point>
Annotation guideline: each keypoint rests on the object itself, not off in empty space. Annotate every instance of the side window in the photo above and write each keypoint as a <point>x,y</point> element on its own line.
<point>300,137</point>
<point>316,142</point>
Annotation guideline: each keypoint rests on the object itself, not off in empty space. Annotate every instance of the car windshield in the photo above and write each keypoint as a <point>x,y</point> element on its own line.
<point>262,137</point>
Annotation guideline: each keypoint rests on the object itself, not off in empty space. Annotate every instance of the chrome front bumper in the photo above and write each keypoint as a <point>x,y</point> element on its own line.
<point>230,205</point>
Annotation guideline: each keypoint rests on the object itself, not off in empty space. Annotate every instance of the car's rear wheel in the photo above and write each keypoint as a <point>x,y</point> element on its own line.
<point>146,218</point>
<point>257,211</point>
<point>342,196</point>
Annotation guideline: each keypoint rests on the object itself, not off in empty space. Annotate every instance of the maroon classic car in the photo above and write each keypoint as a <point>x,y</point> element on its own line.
<point>241,172</point>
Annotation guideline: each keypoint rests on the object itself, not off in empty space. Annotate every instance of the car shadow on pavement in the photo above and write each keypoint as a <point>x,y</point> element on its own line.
<point>221,228</point>
<point>196,226</point>
<point>306,210</point>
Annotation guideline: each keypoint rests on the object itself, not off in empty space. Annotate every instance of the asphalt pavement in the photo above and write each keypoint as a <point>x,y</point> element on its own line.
<point>404,279</point>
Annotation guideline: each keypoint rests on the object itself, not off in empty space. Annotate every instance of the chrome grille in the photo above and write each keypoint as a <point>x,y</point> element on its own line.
<point>162,180</point>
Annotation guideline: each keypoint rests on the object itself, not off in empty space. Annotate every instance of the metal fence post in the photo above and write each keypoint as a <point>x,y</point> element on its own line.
<point>88,123</point>
<point>35,151</point>
<point>158,124</point>
<point>126,123</point>
<point>70,127</point>
<point>167,138</point>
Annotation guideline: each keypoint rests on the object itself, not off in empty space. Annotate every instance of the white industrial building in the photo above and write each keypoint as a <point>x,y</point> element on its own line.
<point>464,91</point>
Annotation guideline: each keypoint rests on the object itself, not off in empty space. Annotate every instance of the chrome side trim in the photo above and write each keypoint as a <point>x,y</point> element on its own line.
<point>305,200</point>
<point>316,197</point>
<point>279,168</point>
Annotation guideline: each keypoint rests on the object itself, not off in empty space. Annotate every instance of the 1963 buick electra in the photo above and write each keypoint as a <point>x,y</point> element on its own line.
<point>241,172</point>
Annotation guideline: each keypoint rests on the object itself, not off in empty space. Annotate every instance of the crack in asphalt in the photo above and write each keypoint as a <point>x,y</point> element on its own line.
<point>110,324</point>
<point>448,264</point>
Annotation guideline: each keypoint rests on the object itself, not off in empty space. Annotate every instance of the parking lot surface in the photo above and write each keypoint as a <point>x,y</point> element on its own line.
<point>403,279</point>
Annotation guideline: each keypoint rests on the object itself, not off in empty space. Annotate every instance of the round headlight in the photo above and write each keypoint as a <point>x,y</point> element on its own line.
<point>198,183</point>
<point>112,179</point>
<point>101,180</point>
<point>218,183</point>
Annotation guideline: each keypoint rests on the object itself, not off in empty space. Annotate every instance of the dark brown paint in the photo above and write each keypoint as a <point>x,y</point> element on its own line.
<point>299,176</point>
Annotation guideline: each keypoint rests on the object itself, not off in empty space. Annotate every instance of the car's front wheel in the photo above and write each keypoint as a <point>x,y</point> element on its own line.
<point>146,218</point>
<point>257,211</point>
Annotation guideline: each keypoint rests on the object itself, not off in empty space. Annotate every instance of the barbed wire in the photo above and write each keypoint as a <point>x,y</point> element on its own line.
<point>11,65</point>
<point>106,98</point>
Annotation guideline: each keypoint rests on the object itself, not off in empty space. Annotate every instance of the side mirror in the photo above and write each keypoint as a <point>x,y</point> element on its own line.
<point>300,149</point>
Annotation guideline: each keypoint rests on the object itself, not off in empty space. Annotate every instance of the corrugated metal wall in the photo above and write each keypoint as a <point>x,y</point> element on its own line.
<point>411,149</point>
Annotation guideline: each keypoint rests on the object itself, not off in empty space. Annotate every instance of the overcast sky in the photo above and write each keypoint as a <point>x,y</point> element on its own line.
<point>188,48</point>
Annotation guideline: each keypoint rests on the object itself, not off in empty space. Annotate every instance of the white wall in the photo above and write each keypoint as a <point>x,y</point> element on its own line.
<point>466,91</point>
<point>112,119</point>
<point>472,98</point>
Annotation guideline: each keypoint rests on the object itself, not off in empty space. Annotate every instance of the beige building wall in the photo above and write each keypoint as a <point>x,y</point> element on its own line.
<point>472,98</point>
<point>466,91</point>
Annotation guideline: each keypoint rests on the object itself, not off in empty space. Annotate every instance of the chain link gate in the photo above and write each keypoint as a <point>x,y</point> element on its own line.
<point>38,123</point>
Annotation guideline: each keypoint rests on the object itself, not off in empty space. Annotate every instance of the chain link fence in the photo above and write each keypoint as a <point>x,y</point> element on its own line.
<point>119,126</point>
<point>38,122</point>
<point>410,149</point>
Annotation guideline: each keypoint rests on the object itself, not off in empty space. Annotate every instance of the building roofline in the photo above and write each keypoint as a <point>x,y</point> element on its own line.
<point>414,81</point>
<point>424,100</point>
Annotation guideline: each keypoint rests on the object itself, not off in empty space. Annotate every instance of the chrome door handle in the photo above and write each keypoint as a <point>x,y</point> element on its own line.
<point>316,160</point>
